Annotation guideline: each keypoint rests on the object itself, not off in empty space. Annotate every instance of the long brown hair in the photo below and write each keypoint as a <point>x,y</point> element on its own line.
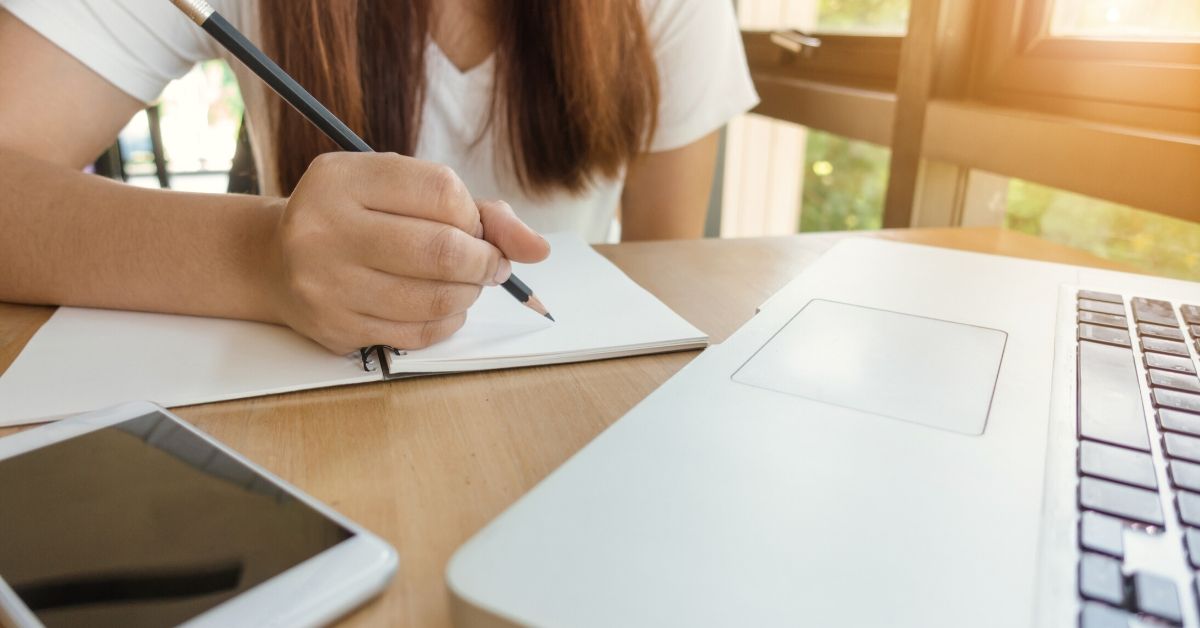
<point>575,93</point>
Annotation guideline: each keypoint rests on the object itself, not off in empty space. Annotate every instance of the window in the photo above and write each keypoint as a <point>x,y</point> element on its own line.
<point>782,177</point>
<point>1127,19</point>
<point>866,17</point>
<point>860,39</point>
<point>200,116</point>
<point>844,184</point>
<point>799,179</point>
<point>1130,62</point>
<point>874,17</point>
<point>1121,233</point>
<point>1053,117</point>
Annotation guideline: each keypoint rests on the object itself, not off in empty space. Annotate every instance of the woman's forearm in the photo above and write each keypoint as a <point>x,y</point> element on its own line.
<point>370,249</point>
<point>69,238</point>
<point>666,193</point>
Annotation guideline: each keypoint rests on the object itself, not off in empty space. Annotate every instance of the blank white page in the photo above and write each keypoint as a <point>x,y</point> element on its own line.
<point>84,359</point>
<point>599,313</point>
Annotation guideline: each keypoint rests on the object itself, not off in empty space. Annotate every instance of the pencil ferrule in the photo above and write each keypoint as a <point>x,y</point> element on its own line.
<point>198,10</point>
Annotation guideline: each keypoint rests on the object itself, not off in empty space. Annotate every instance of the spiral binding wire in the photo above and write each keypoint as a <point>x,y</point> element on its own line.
<point>367,355</point>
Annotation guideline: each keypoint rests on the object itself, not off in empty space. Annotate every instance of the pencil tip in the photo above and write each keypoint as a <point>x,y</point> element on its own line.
<point>536,305</point>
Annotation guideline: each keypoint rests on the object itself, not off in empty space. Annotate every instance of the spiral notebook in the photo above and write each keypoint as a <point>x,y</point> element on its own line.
<point>83,359</point>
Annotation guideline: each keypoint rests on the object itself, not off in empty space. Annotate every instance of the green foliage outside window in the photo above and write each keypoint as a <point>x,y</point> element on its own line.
<point>844,183</point>
<point>845,180</point>
<point>883,16</point>
<point>1152,242</point>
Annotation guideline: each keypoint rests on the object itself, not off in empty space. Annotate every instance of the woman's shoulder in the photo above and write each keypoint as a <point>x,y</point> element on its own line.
<point>665,18</point>
<point>137,45</point>
<point>704,78</point>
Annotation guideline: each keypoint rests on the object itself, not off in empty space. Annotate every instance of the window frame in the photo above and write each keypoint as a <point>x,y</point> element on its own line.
<point>862,61</point>
<point>980,85</point>
<point>847,86</point>
<point>1019,63</point>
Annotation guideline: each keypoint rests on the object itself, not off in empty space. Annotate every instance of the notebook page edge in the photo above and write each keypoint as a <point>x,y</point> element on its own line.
<point>46,363</point>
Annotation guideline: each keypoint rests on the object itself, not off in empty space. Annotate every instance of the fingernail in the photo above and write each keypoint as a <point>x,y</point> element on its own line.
<point>503,272</point>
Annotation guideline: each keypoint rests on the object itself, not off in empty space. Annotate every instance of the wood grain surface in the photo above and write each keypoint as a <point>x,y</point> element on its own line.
<point>427,462</point>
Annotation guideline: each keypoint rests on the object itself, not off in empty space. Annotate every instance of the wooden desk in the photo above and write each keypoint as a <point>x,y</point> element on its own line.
<point>425,463</point>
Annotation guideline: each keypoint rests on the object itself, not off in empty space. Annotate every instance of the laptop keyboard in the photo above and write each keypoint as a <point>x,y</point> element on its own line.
<point>1118,467</point>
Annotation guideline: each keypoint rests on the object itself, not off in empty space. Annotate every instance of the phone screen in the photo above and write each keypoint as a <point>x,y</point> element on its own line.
<point>145,524</point>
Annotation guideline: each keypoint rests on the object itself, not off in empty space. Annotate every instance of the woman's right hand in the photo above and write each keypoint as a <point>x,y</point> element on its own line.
<point>378,248</point>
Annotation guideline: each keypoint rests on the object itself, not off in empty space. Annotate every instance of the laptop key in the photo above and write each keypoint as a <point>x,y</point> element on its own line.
<point>1180,446</point>
<point>1185,474</point>
<point>1195,329</point>
<point>1107,335</point>
<point>1189,508</point>
<point>1158,345</point>
<point>1191,537</point>
<point>1173,380</point>
<point>1156,596</point>
<point>1101,296</point>
<point>1102,533</point>
<point>1169,363</point>
<point>1191,314</point>
<point>1120,500</point>
<point>1100,579</point>
<point>1096,615</point>
<point>1110,397</point>
<point>1117,463</point>
<point>1107,320</point>
<point>1116,309</point>
<point>1160,331</point>
<point>1163,398</point>
<point>1153,311</point>
<point>1176,421</point>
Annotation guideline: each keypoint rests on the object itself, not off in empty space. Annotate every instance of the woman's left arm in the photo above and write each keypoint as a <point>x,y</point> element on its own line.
<point>666,193</point>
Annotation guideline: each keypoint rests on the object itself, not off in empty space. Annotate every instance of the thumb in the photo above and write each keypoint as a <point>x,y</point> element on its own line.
<point>506,232</point>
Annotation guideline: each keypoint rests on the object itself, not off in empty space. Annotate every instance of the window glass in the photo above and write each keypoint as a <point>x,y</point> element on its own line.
<point>883,17</point>
<point>1128,19</point>
<point>135,146</point>
<point>781,178</point>
<point>845,182</point>
<point>1147,241</point>
<point>871,17</point>
<point>200,116</point>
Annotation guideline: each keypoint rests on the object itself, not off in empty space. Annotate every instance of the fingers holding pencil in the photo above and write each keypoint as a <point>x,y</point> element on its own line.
<point>415,189</point>
<point>452,203</point>
<point>518,242</point>
<point>514,238</point>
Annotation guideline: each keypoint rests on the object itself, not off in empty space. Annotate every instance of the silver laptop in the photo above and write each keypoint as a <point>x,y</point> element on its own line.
<point>903,436</point>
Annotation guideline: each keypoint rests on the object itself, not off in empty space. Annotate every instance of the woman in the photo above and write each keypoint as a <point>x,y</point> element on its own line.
<point>566,109</point>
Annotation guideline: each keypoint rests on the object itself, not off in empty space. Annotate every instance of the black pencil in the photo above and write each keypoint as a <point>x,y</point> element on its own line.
<point>235,42</point>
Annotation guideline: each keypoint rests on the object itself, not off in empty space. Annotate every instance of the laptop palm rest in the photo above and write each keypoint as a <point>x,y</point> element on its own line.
<point>912,368</point>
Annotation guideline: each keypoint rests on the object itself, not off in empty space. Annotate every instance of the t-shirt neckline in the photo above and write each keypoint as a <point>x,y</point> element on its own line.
<point>483,68</point>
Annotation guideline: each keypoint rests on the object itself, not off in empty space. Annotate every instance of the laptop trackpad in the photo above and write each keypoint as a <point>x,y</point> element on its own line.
<point>917,369</point>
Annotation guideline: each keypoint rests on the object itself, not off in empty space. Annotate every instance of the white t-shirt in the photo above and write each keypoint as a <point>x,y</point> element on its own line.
<point>140,45</point>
